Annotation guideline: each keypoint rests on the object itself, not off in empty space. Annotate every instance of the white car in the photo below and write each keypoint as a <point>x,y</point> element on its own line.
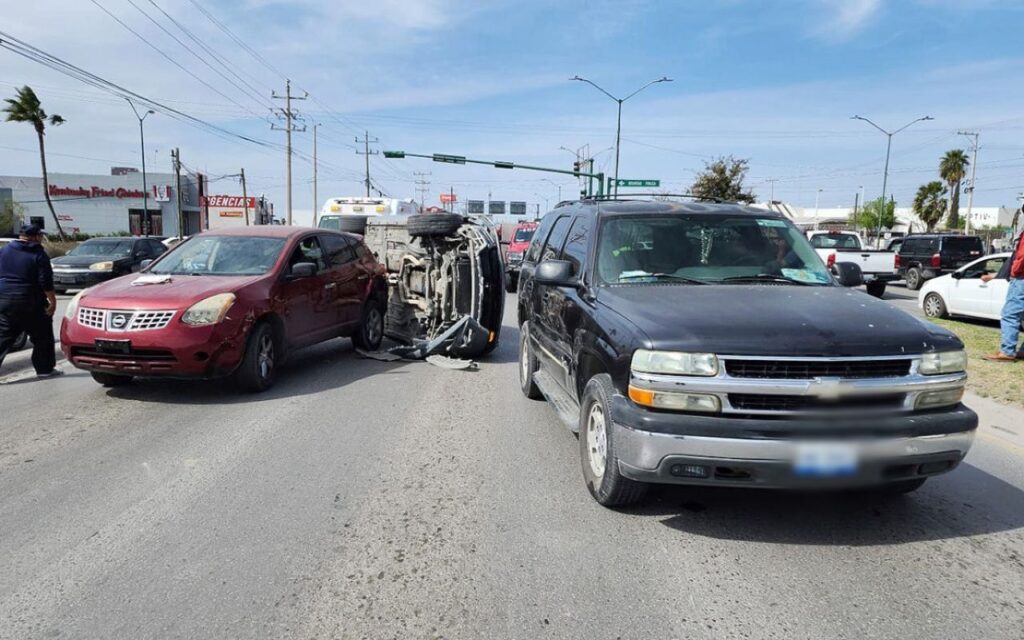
<point>963,293</point>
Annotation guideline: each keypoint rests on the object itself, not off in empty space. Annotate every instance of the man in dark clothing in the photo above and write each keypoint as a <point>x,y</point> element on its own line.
<point>27,299</point>
<point>1013,308</point>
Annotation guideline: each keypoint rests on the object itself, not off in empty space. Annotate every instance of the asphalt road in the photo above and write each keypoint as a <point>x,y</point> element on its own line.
<point>398,500</point>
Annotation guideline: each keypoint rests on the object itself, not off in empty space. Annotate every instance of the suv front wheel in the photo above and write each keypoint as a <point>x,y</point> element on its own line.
<point>597,449</point>
<point>527,365</point>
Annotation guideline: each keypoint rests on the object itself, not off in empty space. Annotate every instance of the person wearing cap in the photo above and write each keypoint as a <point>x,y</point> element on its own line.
<point>1013,308</point>
<point>27,299</point>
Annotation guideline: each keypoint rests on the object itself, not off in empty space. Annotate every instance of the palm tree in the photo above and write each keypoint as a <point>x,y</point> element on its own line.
<point>26,108</point>
<point>929,205</point>
<point>952,169</point>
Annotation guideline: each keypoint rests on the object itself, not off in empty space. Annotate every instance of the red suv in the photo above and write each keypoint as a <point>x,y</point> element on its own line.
<point>231,302</point>
<point>516,250</point>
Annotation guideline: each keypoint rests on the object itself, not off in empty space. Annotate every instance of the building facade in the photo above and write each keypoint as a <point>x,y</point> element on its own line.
<point>104,204</point>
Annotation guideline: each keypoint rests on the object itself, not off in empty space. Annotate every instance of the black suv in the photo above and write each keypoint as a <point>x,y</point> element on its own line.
<point>926,256</point>
<point>100,259</point>
<point>708,344</point>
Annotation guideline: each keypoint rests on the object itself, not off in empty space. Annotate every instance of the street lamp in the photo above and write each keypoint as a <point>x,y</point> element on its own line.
<point>885,174</point>
<point>145,189</point>
<point>817,197</point>
<point>557,185</point>
<point>618,125</point>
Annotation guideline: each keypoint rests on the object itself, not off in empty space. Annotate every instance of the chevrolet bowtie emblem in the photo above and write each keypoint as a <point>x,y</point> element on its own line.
<point>827,388</point>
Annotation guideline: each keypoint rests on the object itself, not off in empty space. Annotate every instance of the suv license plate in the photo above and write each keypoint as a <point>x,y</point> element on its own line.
<point>825,459</point>
<point>121,347</point>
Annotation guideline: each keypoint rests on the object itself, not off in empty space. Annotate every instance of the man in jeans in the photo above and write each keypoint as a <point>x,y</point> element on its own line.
<point>1013,308</point>
<point>27,299</point>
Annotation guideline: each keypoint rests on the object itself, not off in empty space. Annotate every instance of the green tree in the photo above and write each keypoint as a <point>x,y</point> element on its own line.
<point>930,203</point>
<point>26,108</point>
<point>869,214</point>
<point>723,179</point>
<point>10,215</point>
<point>952,169</point>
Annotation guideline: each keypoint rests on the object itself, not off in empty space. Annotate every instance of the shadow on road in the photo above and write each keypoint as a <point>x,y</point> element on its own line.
<point>967,502</point>
<point>328,365</point>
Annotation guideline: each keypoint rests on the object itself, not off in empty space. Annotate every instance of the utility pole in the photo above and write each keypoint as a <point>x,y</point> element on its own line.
<point>422,186</point>
<point>771,198</point>
<point>817,196</point>
<point>288,115</point>
<point>316,202</point>
<point>366,152</point>
<point>176,156</point>
<point>146,222</point>
<point>245,197</point>
<point>973,137</point>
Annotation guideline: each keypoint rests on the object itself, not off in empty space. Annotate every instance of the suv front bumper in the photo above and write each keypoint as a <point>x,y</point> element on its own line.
<point>754,452</point>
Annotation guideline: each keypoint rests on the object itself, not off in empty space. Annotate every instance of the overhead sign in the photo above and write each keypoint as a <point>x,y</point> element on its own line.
<point>475,206</point>
<point>623,182</point>
<point>442,157</point>
<point>517,208</point>
<point>496,207</point>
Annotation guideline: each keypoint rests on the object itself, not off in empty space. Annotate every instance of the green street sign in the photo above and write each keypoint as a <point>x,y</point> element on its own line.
<point>623,182</point>
<point>442,157</point>
<point>394,154</point>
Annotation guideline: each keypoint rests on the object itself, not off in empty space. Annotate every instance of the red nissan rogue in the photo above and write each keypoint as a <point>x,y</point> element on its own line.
<point>231,302</point>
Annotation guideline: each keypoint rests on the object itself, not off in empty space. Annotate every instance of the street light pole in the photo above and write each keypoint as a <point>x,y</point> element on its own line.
<point>145,189</point>
<point>618,122</point>
<point>817,197</point>
<point>885,174</point>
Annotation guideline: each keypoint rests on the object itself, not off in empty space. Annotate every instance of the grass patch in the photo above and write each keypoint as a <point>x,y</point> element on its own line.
<point>1000,381</point>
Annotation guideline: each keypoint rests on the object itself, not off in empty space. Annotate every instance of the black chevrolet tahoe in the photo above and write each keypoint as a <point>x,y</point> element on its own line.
<point>694,343</point>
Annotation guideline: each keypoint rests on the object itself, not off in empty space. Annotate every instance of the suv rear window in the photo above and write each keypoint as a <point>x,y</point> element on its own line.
<point>962,246</point>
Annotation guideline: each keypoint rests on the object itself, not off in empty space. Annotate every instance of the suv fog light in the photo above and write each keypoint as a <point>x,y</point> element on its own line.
<point>942,398</point>
<point>675,401</point>
<point>688,470</point>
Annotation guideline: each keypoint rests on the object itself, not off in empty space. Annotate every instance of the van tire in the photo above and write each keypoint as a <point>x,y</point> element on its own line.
<point>433,224</point>
<point>352,224</point>
<point>611,488</point>
<point>914,278</point>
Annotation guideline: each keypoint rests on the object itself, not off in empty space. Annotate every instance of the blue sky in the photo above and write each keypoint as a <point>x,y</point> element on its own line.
<point>772,81</point>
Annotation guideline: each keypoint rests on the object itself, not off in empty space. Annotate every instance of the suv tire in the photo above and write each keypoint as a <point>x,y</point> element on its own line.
<point>110,380</point>
<point>934,306</point>
<point>371,327</point>
<point>527,365</point>
<point>914,278</point>
<point>352,224</point>
<point>433,224</point>
<point>597,448</point>
<point>259,364</point>
<point>876,288</point>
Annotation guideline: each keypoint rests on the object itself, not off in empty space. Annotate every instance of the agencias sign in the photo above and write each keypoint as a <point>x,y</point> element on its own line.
<point>228,201</point>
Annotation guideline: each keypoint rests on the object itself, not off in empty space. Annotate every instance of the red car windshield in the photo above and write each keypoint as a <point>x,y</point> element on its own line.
<point>221,256</point>
<point>523,235</point>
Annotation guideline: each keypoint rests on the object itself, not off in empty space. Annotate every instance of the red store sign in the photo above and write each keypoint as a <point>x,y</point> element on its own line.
<point>228,201</point>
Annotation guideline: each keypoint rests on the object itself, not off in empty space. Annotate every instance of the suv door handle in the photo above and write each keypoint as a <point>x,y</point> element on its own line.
<point>330,285</point>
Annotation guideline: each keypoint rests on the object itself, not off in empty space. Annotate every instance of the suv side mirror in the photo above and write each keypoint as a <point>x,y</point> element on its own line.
<point>302,270</point>
<point>848,274</point>
<point>556,273</point>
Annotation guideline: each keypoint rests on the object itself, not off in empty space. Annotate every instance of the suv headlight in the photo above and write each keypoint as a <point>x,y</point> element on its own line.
<point>102,266</point>
<point>72,309</point>
<point>675,363</point>
<point>943,362</point>
<point>209,310</point>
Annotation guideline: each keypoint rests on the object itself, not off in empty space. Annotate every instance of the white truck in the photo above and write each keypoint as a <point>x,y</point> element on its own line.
<point>350,213</point>
<point>877,266</point>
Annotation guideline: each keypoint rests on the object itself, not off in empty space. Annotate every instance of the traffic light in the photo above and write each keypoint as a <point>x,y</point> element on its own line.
<point>576,168</point>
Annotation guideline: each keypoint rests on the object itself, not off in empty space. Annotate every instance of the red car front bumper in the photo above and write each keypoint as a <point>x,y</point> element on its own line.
<point>176,351</point>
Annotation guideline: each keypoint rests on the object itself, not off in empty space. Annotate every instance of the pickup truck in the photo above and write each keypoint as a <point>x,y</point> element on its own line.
<point>877,267</point>
<point>706,344</point>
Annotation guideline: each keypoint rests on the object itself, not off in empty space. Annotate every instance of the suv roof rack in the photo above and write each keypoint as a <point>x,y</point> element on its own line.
<point>636,196</point>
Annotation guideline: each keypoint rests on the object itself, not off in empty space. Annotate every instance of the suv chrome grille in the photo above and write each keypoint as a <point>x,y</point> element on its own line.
<point>124,320</point>
<point>810,369</point>
<point>766,402</point>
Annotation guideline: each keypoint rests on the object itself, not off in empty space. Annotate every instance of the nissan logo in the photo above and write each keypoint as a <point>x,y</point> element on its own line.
<point>119,320</point>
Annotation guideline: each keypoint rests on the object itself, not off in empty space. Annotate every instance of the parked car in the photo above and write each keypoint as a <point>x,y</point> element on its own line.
<point>517,246</point>
<point>233,302</point>
<point>707,344</point>
<point>930,255</point>
<point>962,292</point>
<point>445,282</point>
<point>877,267</point>
<point>99,259</point>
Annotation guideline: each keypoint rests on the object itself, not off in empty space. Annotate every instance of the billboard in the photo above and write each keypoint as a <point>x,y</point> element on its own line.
<point>449,198</point>
<point>517,208</point>
<point>496,207</point>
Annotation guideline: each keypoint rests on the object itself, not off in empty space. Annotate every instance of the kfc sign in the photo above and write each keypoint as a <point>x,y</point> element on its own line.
<point>94,192</point>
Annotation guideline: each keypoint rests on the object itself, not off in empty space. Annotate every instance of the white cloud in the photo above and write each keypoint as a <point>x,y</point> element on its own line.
<point>847,17</point>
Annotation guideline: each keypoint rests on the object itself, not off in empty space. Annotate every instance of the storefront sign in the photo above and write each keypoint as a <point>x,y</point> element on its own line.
<point>228,201</point>
<point>94,192</point>
<point>231,214</point>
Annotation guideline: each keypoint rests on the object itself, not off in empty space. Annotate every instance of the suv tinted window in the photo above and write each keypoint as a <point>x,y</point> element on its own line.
<point>962,246</point>
<point>538,240</point>
<point>338,249</point>
<point>576,245</point>
<point>553,247</point>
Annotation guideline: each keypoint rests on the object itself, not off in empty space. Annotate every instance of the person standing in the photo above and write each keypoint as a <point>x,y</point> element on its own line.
<point>27,299</point>
<point>1013,308</point>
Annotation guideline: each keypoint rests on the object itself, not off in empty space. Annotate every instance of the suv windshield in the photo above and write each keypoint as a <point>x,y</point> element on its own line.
<point>221,256</point>
<point>704,248</point>
<point>109,248</point>
<point>523,235</point>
